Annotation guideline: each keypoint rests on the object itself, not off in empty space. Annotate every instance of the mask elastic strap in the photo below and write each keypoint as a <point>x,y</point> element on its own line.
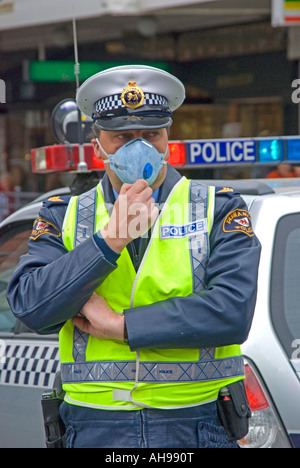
<point>164,161</point>
<point>103,150</point>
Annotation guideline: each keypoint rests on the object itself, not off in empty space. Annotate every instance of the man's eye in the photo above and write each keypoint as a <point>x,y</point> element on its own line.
<point>123,136</point>
<point>151,135</point>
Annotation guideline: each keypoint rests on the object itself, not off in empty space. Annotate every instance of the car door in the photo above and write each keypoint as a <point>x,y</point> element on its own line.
<point>285,312</point>
<point>28,362</point>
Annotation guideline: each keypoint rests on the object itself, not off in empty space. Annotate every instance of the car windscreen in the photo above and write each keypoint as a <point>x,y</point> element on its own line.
<point>285,283</point>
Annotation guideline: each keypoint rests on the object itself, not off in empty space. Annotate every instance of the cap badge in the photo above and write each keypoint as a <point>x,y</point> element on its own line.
<point>132,95</point>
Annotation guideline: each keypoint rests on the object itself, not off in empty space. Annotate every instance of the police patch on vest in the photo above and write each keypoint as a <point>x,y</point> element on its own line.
<point>238,220</point>
<point>42,227</point>
<point>177,231</point>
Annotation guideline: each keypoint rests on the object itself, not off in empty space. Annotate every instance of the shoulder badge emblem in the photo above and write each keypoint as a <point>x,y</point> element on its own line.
<point>238,221</point>
<point>132,96</point>
<point>41,227</point>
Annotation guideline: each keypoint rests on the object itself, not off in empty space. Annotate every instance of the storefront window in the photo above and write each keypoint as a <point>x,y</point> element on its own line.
<point>243,119</point>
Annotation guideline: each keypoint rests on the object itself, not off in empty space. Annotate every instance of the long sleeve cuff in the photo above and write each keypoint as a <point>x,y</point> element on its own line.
<point>109,254</point>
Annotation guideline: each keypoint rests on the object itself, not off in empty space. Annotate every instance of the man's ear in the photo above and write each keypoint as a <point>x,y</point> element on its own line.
<point>96,148</point>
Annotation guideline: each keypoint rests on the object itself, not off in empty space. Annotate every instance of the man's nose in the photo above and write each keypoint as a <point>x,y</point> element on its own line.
<point>136,134</point>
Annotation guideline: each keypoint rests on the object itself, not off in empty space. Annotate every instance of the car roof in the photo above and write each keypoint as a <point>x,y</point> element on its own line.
<point>243,186</point>
<point>260,186</point>
<point>30,210</point>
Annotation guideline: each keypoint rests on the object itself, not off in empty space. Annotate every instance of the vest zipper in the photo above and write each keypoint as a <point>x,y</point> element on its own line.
<point>136,259</point>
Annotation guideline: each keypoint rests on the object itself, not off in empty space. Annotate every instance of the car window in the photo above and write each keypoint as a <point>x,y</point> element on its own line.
<point>285,282</point>
<point>13,243</point>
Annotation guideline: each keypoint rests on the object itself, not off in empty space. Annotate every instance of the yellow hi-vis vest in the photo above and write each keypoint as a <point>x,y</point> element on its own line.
<point>106,374</point>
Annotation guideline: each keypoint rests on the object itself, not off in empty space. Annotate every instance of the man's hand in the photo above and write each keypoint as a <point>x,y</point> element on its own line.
<point>133,214</point>
<point>100,320</point>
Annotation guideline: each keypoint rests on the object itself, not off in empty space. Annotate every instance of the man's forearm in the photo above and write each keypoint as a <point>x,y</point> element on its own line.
<point>48,295</point>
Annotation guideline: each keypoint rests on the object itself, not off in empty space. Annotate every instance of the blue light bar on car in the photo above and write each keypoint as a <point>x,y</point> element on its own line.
<point>271,150</point>
<point>293,149</point>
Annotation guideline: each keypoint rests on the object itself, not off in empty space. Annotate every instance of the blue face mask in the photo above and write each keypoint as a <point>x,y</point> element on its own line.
<point>137,159</point>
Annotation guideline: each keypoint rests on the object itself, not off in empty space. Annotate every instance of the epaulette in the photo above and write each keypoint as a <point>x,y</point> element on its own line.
<point>56,200</point>
<point>230,192</point>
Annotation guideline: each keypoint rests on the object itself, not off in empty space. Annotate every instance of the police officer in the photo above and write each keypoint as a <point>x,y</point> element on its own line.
<point>150,279</point>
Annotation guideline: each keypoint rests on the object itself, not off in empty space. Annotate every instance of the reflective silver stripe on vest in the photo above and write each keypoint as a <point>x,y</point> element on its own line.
<point>125,371</point>
<point>86,216</point>
<point>84,228</point>
<point>199,244</point>
<point>80,342</point>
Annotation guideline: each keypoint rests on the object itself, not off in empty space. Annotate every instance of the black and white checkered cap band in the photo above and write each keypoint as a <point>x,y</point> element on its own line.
<point>115,102</point>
